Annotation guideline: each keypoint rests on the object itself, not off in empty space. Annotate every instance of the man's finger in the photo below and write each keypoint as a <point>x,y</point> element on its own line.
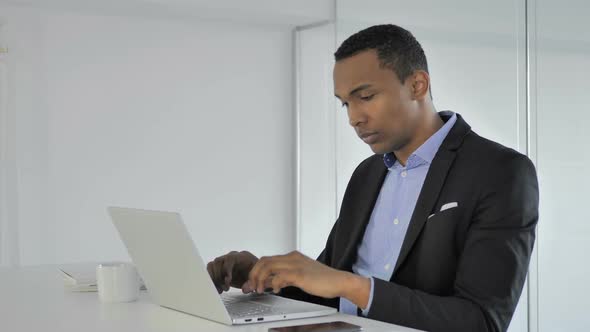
<point>254,271</point>
<point>228,266</point>
<point>283,278</point>
<point>271,266</point>
<point>246,288</point>
<point>263,271</point>
<point>268,282</point>
<point>276,284</point>
<point>264,275</point>
<point>218,271</point>
<point>226,283</point>
<point>211,271</point>
<point>253,275</point>
<point>212,276</point>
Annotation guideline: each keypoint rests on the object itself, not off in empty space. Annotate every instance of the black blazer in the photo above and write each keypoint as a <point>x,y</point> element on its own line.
<point>462,269</point>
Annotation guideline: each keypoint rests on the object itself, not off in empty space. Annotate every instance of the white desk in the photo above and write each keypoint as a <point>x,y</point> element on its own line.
<point>34,299</point>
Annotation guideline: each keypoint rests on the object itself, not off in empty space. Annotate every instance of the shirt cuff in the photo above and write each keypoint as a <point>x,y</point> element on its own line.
<point>365,312</point>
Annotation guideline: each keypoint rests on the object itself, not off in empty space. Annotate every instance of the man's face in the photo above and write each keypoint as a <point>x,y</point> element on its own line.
<point>381,110</point>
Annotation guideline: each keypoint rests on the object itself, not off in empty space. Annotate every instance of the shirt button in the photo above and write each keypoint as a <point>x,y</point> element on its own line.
<point>404,173</point>
<point>396,221</point>
<point>386,266</point>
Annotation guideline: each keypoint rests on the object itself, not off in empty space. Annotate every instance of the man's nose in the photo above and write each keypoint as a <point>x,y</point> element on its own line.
<point>355,116</point>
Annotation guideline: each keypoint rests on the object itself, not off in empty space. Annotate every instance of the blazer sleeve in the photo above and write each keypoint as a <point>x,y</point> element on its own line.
<point>324,258</point>
<point>492,265</point>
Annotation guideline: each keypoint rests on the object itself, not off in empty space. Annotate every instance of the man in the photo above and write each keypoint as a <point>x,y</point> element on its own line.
<point>436,229</point>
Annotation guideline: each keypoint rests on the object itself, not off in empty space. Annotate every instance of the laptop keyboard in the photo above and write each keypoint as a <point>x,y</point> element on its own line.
<point>239,308</point>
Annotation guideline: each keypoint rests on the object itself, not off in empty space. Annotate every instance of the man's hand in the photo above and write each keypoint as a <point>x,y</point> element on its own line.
<point>231,269</point>
<point>313,277</point>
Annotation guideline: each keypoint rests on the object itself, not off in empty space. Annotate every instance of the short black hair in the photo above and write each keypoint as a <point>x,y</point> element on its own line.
<point>396,47</point>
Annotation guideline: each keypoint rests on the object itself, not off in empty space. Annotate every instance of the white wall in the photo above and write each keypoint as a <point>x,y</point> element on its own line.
<point>316,152</point>
<point>191,117</point>
<point>6,141</point>
<point>562,67</point>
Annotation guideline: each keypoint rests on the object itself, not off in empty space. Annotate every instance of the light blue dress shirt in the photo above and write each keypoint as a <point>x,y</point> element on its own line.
<point>383,238</point>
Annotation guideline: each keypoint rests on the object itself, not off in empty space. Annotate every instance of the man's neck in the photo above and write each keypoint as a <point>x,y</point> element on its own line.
<point>430,125</point>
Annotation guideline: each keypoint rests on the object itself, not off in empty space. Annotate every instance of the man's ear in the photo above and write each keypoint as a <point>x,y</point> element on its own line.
<point>420,84</point>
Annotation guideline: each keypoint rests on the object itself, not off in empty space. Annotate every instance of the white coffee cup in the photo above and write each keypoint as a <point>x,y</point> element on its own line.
<point>117,282</point>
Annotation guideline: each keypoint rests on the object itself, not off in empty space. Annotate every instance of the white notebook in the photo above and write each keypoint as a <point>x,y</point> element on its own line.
<point>81,277</point>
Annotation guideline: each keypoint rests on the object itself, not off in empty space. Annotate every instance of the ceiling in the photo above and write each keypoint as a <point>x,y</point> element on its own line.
<point>274,12</point>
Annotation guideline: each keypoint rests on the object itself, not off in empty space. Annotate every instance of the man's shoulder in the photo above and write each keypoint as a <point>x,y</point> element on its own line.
<point>487,153</point>
<point>477,151</point>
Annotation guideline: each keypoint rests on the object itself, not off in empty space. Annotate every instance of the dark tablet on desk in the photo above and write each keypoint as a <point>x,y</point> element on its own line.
<point>319,327</point>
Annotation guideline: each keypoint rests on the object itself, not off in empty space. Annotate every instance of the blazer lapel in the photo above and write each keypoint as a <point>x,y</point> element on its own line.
<point>432,186</point>
<point>361,213</point>
<point>428,196</point>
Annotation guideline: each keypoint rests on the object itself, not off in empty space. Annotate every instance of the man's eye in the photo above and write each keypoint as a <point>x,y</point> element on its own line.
<point>345,105</point>
<point>367,98</point>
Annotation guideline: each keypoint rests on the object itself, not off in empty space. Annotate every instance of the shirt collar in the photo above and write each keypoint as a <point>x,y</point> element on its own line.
<point>426,152</point>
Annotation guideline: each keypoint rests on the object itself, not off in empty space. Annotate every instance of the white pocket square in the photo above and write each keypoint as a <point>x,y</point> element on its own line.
<point>445,207</point>
<point>449,206</point>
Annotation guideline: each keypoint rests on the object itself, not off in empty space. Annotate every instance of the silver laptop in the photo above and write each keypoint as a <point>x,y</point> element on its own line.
<point>177,278</point>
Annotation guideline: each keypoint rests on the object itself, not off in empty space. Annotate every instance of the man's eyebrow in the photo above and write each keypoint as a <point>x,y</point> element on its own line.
<point>356,90</point>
